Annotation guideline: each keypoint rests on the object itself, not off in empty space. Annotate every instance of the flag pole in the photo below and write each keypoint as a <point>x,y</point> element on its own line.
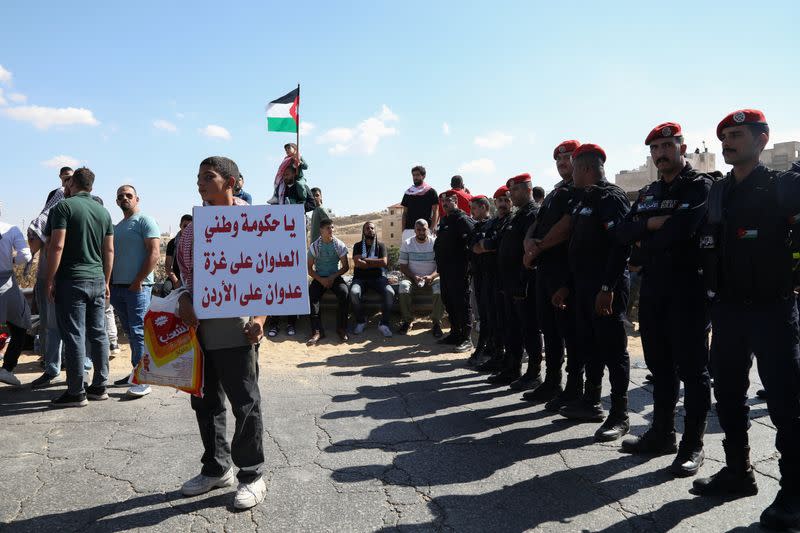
<point>298,120</point>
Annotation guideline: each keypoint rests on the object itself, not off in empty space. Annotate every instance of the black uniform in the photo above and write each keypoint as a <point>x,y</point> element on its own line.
<point>452,262</point>
<point>597,260</point>
<point>552,273</point>
<point>484,269</point>
<point>491,285</point>
<point>517,285</point>
<point>673,314</point>
<point>754,311</point>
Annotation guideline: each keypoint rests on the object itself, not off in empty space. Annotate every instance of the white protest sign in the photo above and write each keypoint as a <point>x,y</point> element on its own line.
<point>250,261</point>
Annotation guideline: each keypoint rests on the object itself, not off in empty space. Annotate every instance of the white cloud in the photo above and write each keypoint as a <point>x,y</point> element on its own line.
<point>214,131</point>
<point>445,128</point>
<point>477,166</point>
<point>2,100</point>
<point>61,161</point>
<point>45,117</point>
<point>5,75</point>
<point>306,127</point>
<point>165,125</point>
<point>18,98</point>
<point>364,137</point>
<point>494,140</point>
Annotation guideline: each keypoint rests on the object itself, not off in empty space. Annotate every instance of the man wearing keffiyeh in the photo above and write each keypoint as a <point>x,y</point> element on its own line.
<point>370,260</point>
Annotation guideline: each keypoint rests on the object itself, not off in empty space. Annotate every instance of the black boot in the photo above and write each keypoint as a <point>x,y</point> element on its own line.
<point>690,454</point>
<point>531,379</point>
<point>547,390</point>
<point>494,364</point>
<point>783,514</point>
<point>477,354</point>
<point>587,408</point>
<point>617,423</point>
<point>736,479</point>
<point>571,393</point>
<point>658,440</point>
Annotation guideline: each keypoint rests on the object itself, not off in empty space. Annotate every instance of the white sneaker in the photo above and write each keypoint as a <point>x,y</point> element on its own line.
<point>359,329</point>
<point>201,484</point>
<point>9,377</point>
<point>250,494</point>
<point>383,328</point>
<point>138,391</point>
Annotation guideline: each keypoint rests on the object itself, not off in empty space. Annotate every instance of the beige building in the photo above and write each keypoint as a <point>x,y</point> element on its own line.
<point>633,180</point>
<point>781,155</point>
<point>392,225</point>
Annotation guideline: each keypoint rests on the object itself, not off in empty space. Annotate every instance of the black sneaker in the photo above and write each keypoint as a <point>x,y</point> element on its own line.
<point>70,400</point>
<point>403,327</point>
<point>44,381</point>
<point>123,382</point>
<point>437,332</point>
<point>464,346</point>
<point>96,393</point>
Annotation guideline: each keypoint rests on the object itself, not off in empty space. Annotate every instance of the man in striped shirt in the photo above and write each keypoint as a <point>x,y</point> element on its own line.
<point>418,264</point>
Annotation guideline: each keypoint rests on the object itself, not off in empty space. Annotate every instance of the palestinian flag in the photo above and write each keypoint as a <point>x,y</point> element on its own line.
<point>282,113</point>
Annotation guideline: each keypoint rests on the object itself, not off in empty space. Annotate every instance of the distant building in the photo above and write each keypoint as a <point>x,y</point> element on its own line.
<point>781,155</point>
<point>392,225</point>
<point>633,180</point>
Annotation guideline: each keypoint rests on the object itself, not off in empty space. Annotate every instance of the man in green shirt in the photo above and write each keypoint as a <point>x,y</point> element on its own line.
<point>318,214</point>
<point>81,252</point>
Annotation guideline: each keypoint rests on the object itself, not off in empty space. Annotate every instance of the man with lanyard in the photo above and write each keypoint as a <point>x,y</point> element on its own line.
<point>749,277</point>
<point>597,263</point>
<point>516,283</point>
<point>664,225</point>
<point>451,250</point>
<point>487,251</point>
<point>546,249</point>
<point>369,272</point>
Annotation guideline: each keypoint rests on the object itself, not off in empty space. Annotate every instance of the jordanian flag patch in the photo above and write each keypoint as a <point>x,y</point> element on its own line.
<point>282,113</point>
<point>747,233</point>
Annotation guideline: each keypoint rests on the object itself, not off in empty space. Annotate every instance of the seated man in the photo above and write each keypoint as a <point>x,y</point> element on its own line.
<point>418,265</point>
<point>370,260</point>
<point>324,256</point>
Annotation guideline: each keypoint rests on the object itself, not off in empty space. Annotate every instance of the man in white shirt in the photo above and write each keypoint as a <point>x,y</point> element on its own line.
<point>14,310</point>
<point>418,264</point>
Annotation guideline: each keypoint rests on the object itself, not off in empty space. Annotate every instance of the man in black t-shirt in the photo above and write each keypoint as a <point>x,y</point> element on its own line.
<point>370,260</point>
<point>419,201</point>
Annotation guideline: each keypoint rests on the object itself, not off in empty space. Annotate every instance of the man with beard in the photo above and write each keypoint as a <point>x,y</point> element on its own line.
<point>546,249</point>
<point>664,224</point>
<point>370,260</point>
<point>749,276</point>
<point>517,286</point>
<point>420,201</point>
<point>597,263</point>
<point>451,250</point>
<point>480,279</point>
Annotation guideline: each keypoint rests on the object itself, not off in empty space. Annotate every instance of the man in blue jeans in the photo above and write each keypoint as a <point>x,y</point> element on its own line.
<point>81,255</point>
<point>138,244</point>
<point>370,260</point>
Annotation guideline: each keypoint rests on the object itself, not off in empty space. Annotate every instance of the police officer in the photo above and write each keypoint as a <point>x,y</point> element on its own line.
<point>597,263</point>
<point>664,225</point>
<point>546,248</point>
<point>487,250</point>
<point>452,254</point>
<point>517,285</point>
<point>753,311</point>
<point>481,281</point>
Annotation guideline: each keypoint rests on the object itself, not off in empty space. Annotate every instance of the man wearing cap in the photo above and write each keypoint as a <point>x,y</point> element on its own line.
<point>451,250</point>
<point>597,263</point>
<point>517,286</point>
<point>546,248</point>
<point>479,266</point>
<point>486,249</point>
<point>749,277</point>
<point>664,226</point>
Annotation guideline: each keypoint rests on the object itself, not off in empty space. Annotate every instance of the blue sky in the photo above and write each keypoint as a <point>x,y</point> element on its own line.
<point>379,82</point>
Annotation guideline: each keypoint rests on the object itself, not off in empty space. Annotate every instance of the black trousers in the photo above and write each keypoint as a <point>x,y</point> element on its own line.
<point>770,331</point>
<point>558,326</point>
<point>521,329</point>
<point>456,296</point>
<point>14,346</point>
<point>674,324</point>
<point>231,373</point>
<point>315,292</point>
<point>485,290</point>
<point>602,341</point>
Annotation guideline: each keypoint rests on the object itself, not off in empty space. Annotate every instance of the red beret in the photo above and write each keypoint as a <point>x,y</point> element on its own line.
<point>450,192</point>
<point>738,118</point>
<point>520,178</point>
<point>565,147</point>
<point>589,149</point>
<point>479,197</point>
<point>502,192</point>
<point>667,129</point>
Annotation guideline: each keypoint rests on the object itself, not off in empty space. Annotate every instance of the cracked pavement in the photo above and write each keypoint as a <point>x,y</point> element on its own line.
<point>376,435</point>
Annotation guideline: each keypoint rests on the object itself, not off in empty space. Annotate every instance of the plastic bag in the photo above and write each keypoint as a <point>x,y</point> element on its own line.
<point>172,356</point>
